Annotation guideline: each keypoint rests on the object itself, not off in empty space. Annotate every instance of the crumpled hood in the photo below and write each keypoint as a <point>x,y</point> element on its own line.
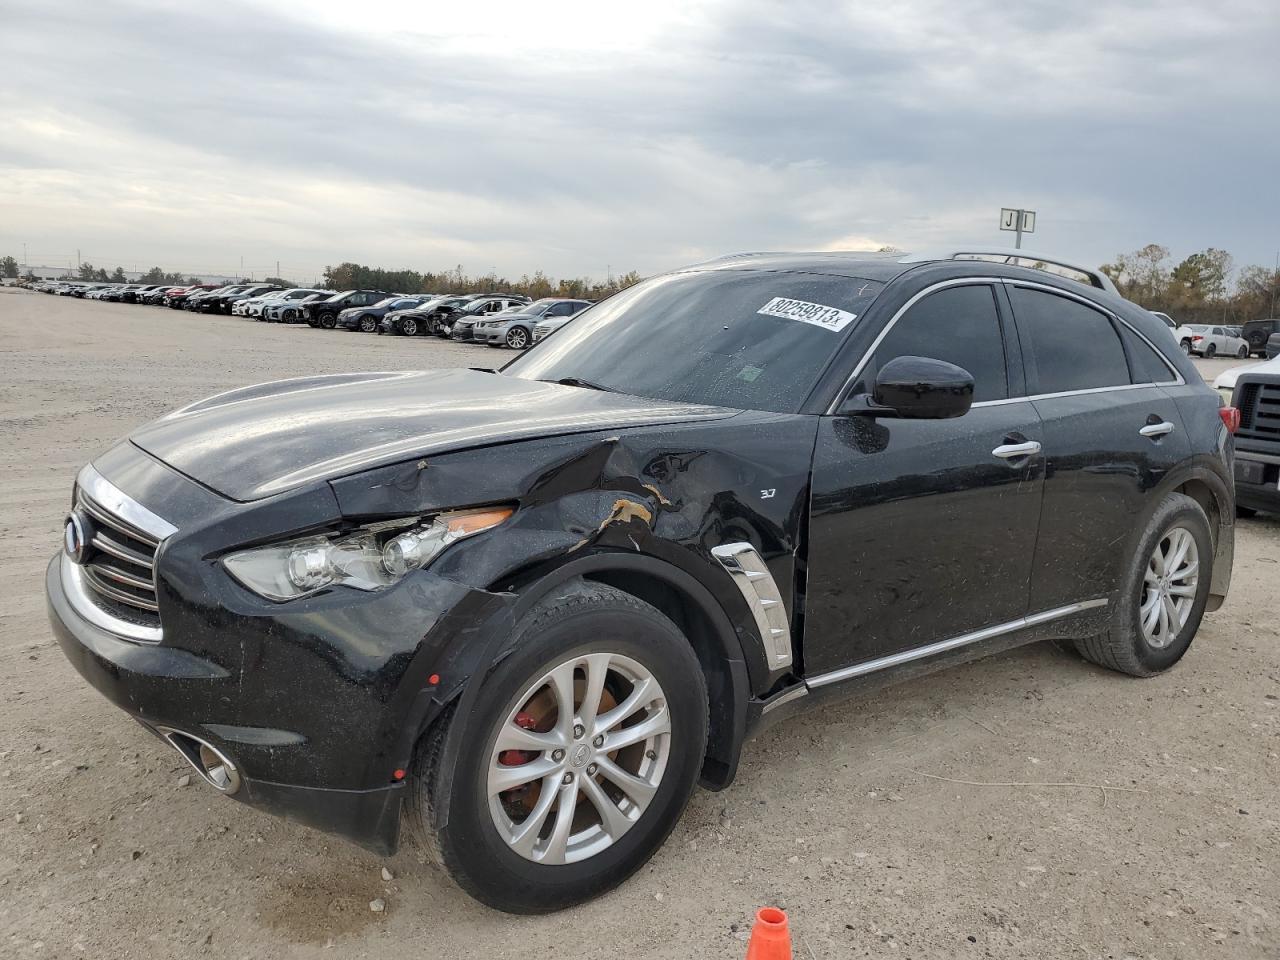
<point>263,440</point>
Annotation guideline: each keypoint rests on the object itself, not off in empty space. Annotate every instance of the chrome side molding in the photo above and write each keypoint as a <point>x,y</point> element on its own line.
<point>920,653</point>
<point>752,577</point>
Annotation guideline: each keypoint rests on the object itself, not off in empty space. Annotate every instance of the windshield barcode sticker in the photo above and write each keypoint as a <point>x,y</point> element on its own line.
<point>829,318</point>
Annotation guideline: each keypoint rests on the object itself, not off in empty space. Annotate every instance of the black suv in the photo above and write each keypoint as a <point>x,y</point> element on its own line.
<point>1257,332</point>
<point>530,609</point>
<point>324,313</point>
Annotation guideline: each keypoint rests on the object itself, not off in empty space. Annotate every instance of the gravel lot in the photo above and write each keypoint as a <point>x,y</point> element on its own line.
<point>907,824</point>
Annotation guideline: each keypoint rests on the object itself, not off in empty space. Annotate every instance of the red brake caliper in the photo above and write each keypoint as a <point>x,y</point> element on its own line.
<point>514,758</point>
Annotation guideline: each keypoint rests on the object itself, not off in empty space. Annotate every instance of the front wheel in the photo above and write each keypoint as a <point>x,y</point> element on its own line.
<point>1163,593</point>
<point>409,327</point>
<point>517,338</point>
<point>368,324</point>
<point>328,321</point>
<point>582,751</point>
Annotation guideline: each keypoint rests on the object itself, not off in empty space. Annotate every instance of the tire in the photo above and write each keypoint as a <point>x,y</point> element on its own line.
<point>327,321</point>
<point>1124,646</point>
<point>577,622</point>
<point>409,327</point>
<point>1211,351</point>
<point>1186,347</point>
<point>518,338</point>
<point>368,324</point>
<point>1242,353</point>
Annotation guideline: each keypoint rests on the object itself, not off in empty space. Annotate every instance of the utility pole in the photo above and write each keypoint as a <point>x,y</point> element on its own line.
<point>77,261</point>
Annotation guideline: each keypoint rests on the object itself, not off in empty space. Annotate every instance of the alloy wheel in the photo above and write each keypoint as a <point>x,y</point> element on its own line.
<point>409,327</point>
<point>368,324</point>
<point>579,758</point>
<point>1169,587</point>
<point>517,338</point>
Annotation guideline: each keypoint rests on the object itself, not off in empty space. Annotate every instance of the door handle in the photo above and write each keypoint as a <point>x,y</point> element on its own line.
<point>1154,430</point>
<point>1011,451</point>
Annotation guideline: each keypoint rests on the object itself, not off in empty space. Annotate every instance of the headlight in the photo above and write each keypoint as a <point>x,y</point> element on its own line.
<point>368,559</point>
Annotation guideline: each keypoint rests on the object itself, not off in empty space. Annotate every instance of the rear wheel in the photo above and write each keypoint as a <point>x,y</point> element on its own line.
<point>1211,350</point>
<point>582,752</point>
<point>1163,595</point>
<point>1243,352</point>
<point>1186,347</point>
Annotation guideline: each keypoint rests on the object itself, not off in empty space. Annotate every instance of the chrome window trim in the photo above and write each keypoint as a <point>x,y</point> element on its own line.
<point>943,646</point>
<point>110,497</point>
<point>1178,381</point>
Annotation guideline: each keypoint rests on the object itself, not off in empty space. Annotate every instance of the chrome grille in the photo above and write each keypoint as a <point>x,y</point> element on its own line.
<point>120,569</point>
<point>115,584</point>
<point>1260,411</point>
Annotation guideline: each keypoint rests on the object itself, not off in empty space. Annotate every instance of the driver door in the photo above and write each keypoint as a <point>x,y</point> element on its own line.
<point>922,531</point>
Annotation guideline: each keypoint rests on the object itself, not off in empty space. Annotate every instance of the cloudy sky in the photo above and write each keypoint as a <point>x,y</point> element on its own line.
<point>578,137</point>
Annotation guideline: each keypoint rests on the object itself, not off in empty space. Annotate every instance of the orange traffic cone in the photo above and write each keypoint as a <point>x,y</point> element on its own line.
<point>770,938</point>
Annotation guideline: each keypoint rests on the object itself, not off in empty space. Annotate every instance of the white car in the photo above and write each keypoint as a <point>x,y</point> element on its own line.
<point>1225,384</point>
<point>1182,332</point>
<point>1209,341</point>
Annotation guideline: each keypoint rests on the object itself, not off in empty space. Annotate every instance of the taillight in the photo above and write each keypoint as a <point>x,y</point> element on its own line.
<point>1197,338</point>
<point>1230,418</point>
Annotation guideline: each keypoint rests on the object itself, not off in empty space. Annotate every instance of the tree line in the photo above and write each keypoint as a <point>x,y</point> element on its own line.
<point>1198,289</point>
<point>349,276</point>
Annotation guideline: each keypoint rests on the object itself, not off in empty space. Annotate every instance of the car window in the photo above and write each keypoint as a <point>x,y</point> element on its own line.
<point>756,340</point>
<point>561,310</point>
<point>1144,361</point>
<point>1069,346</point>
<point>959,325</point>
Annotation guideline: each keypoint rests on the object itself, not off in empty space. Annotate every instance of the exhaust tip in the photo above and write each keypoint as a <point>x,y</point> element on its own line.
<point>214,767</point>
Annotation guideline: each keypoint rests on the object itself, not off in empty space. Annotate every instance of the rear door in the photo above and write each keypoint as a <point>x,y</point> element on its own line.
<point>923,531</point>
<point>1111,434</point>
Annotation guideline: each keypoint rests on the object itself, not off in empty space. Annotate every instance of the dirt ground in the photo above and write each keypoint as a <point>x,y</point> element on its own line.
<point>960,815</point>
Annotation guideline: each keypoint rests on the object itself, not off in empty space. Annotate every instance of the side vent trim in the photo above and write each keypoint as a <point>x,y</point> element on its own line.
<point>752,577</point>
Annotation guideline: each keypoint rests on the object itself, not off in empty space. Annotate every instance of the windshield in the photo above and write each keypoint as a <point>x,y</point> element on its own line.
<point>752,340</point>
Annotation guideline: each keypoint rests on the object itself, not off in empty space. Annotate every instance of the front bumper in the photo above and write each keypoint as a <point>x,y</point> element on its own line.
<point>1257,479</point>
<point>317,702</point>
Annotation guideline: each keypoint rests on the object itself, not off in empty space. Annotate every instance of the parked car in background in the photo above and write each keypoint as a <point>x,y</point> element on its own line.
<point>366,319</point>
<point>203,301</point>
<point>1257,332</point>
<point>1182,333</point>
<point>457,323</point>
<point>425,319</point>
<point>225,302</point>
<point>117,293</point>
<point>177,299</point>
<point>514,326</point>
<point>324,313</point>
<point>256,307</point>
<point>531,610</point>
<point>1207,341</point>
<point>294,310</point>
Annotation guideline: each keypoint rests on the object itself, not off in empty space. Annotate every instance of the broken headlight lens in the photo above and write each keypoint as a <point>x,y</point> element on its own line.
<point>368,559</point>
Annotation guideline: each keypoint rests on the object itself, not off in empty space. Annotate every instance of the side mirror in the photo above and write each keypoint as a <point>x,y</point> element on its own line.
<point>917,388</point>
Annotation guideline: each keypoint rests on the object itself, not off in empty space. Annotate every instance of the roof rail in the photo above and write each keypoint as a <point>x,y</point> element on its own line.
<point>1011,255</point>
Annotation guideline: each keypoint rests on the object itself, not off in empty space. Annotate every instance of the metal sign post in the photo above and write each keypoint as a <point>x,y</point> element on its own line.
<point>1018,220</point>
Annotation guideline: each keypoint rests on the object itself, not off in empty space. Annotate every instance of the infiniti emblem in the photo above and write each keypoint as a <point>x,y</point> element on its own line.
<point>76,536</point>
<point>581,754</point>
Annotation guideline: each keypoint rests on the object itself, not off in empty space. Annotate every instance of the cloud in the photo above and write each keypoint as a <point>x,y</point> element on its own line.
<point>576,137</point>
